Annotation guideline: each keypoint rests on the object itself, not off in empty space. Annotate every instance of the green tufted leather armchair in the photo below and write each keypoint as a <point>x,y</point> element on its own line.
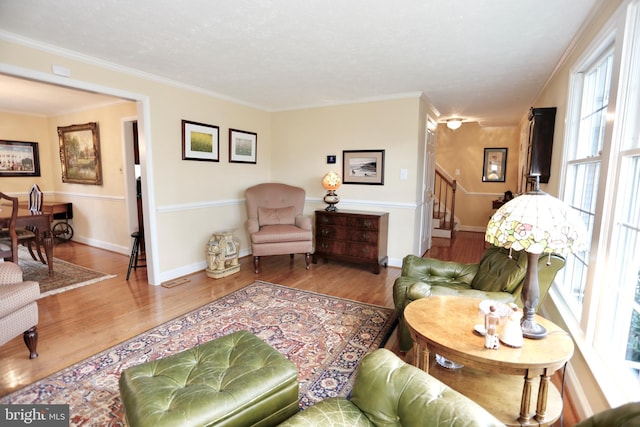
<point>497,277</point>
<point>391,393</point>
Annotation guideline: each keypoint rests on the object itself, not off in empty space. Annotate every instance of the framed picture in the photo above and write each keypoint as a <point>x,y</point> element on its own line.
<point>19,158</point>
<point>80,154</point>
<point>495,165</point>
<point>242,146</point>
<point>200,142</point>
<point>363,167</point>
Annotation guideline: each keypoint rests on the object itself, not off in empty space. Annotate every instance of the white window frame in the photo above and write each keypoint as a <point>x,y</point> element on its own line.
<point>623,33</point>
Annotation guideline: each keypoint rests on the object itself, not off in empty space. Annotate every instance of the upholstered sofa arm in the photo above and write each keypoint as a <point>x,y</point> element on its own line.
<point>392,392</point>
<point>10,273</point>
<point>436,271</point>
<point>303,222</point>
<point>252,225</point>
<point>622,416</point>
<point>420,274</point>
<point>389,392</point>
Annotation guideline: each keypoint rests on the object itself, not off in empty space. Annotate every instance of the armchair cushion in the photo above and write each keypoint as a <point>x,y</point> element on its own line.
<point>276,216</point>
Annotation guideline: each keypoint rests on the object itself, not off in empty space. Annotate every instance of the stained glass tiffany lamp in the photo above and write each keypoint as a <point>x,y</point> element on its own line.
<point>538,224</point>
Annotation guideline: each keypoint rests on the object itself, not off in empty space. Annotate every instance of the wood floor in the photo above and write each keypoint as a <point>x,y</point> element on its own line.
<point>76,324</point>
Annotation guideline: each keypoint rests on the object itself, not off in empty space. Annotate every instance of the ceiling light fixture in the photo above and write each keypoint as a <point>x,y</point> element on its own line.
<point>454,124</point>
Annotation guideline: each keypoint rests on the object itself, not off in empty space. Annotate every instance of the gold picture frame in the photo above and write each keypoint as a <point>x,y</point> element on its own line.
<point>80,154</point>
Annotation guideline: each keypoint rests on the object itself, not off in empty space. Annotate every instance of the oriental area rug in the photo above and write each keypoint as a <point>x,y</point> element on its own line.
<point>324,336</point>
<point>66,276</point>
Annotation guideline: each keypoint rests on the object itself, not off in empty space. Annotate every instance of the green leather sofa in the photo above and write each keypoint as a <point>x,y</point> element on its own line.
<point>498,277</point>
<point>389,392</point>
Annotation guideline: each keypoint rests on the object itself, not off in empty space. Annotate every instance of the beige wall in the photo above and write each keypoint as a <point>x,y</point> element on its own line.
<point>186,201</point>
<point>304,138</point>
<point>463,150</point>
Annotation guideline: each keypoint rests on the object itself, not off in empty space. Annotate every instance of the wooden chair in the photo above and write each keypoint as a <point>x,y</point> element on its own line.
<point>29,236</point>
<point>8,234</point>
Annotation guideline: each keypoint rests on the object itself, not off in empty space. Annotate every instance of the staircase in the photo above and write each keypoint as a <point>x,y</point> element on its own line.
<point>444,206</point>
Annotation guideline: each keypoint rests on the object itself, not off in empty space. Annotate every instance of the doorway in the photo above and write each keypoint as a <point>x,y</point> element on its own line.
<point>143,115</point>
<point>428,176</point>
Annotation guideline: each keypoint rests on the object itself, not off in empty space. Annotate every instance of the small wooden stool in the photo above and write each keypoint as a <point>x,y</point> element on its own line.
<point>133,259</point>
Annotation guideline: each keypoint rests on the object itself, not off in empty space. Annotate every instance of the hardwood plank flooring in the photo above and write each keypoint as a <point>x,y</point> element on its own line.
<point>76,324</point>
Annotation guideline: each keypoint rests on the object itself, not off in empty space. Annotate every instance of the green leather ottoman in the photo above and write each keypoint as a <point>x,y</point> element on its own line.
<point>235,380</point>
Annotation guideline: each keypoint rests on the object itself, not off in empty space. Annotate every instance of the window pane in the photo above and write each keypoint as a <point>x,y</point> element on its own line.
<point>582,179</point>
<point>622,296</point>
<point>595,102</point>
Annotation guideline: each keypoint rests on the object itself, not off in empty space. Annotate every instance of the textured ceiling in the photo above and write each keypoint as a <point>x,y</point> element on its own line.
<point>483,60</point>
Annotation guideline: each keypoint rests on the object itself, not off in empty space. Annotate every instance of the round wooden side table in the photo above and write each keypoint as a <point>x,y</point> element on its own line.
<point>445,325</point>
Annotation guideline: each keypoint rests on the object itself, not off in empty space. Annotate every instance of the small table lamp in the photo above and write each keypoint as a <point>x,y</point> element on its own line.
<point>331,182</point>
<point>536,223</point>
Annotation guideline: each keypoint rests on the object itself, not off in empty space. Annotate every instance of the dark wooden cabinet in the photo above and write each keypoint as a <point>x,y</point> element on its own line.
<point>352,236</point>
<point>542,122</point>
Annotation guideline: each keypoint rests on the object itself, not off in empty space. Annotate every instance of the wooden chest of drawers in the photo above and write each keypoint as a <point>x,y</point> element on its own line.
<point>353,236</point>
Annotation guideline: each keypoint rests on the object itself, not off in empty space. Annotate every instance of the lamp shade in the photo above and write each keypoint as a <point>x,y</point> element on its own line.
<point>537,223</point>
<point>331,181</point>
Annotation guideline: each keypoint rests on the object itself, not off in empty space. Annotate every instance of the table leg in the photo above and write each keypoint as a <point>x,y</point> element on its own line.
<point>47,242</point>
<point>525,403</point>
<point>541,408</point>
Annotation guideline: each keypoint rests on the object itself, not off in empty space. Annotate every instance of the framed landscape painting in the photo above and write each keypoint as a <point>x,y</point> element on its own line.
<point>80,154</point>
<point>200,141</point>
<point>363,167</point>
<point>19,158</point>
<point>242,146</point>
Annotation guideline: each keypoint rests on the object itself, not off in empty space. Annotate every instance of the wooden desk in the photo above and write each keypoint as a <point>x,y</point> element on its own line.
<point>444,325</point>
<point>51,207</point>
<point>42,222</point>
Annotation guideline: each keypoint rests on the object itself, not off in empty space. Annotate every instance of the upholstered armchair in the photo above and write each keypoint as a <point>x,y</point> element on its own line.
<point>389,392</point>
<point>18,307</point>
<point>497,277</point>
<point>276,223</point>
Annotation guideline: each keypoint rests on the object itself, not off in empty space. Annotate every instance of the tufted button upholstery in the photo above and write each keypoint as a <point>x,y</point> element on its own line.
<point>391,393</point>
<point>233,380</point>
<point>498,277</point>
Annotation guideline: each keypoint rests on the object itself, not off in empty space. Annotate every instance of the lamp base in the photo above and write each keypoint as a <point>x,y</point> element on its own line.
<point>331,199</point>
<point>532,329</point>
